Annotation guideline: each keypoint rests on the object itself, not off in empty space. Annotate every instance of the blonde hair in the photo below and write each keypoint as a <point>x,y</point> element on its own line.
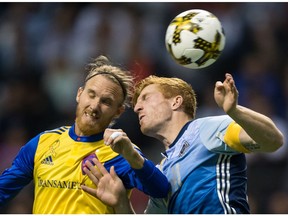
<point>170,87</point>
<point>102,66</point>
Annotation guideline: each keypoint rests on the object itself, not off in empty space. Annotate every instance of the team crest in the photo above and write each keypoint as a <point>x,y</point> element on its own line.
<point>89,157</point>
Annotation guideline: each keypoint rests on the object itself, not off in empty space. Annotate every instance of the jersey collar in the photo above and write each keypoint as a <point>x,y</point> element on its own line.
<point>92,138</point>
<point>180,134</point>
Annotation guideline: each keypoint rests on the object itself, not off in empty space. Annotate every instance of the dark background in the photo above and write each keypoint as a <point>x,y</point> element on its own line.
<point>45,46</point>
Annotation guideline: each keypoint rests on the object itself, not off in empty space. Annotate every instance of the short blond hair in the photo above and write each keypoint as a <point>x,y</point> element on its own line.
<point>170,87</point>
<point>102,66</point>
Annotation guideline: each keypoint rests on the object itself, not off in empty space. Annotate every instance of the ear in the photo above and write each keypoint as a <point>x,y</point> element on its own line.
<point>177,102</point>
<point>120,110</point>
<point>79,92</point>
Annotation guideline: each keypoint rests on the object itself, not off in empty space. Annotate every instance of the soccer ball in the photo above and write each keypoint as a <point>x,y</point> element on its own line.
<point>195,38</point>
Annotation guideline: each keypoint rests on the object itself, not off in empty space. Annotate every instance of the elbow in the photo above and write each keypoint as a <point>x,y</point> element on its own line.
<point>163,193</point>
<point>162,190</point>
<point>166,190</point>
<point>278,142</point>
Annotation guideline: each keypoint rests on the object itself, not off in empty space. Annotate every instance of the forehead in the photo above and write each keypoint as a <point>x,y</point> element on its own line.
<point>104,84</point>
<point>152,88</point>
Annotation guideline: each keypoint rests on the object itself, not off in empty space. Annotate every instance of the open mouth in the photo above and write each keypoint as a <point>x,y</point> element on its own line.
<point>141,117</point>
<point>91,114</point>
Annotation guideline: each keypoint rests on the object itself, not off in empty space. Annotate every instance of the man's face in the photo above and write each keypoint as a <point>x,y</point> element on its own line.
<point>153,110</point>
<point>99,102</point>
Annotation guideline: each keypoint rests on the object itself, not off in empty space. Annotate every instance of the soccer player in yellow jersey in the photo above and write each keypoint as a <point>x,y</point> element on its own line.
<point>56,159</point>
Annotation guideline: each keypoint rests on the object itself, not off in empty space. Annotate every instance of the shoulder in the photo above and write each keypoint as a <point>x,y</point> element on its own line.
<point>212,124</point>
<point>213,119</point>
<point>53,134</point>
<point>212,131</point>
<point>59,130</point>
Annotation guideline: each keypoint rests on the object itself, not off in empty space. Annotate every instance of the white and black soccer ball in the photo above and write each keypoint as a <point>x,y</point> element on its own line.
<point>195,38</point>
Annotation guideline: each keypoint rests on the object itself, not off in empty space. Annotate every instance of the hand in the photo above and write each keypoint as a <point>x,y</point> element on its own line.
<point>226,94</point>
<point>120,144</point>
<point>259,133</point>
<point>118,140</point>
<point>110,189</point>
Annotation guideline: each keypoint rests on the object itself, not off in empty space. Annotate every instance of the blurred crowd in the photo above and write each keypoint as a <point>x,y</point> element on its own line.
<point>44,48</point>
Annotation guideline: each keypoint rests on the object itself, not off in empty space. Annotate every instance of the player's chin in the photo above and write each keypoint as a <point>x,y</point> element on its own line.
<point>89,127</point>
<point>142,128</point>
<point>145,130</point>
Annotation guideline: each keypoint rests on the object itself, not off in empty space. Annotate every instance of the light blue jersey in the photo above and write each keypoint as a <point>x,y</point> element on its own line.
<point>206,175</point>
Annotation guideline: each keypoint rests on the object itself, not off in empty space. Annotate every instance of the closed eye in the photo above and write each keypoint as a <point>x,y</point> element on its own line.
<point>107,101</point>
<point>91,94</point>
<point>145,97</point>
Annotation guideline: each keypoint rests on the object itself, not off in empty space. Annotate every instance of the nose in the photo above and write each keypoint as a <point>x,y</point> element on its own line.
<point>137,107</point>
<point>94,104</point>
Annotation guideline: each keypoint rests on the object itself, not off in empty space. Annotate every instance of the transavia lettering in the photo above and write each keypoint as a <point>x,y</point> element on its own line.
<point>59,184</point>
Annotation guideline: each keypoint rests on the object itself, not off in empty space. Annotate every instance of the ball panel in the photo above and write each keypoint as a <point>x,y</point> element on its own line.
<point>194,54</point>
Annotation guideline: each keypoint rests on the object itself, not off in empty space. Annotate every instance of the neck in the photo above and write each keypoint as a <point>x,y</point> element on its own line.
<point>170,131</point>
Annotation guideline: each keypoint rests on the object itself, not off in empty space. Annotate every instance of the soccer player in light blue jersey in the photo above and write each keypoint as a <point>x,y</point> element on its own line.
<point>55,159</point>
<point>204,159</point>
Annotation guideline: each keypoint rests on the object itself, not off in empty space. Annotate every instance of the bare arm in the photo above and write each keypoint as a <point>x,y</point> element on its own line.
<point>110,189</point>
<point>151,180</point>
<point>258,133</point>
<point>123,145</point>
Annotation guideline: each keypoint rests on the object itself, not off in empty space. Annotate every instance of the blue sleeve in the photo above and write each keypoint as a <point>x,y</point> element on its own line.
<point>148,179</point>
<point>20,173</point>
<point>153,180</point>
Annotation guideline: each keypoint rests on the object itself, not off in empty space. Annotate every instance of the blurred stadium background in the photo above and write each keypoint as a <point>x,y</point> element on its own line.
<point>44,47</point>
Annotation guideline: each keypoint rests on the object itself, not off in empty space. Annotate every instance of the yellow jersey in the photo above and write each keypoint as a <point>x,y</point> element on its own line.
<point>54,160</point>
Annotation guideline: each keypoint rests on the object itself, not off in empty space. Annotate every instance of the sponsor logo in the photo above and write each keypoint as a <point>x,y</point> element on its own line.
<point>52,183</point>
<point>48,160</point>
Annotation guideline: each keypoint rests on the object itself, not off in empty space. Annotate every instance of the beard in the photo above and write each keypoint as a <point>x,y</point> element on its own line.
<point>87,126</point>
